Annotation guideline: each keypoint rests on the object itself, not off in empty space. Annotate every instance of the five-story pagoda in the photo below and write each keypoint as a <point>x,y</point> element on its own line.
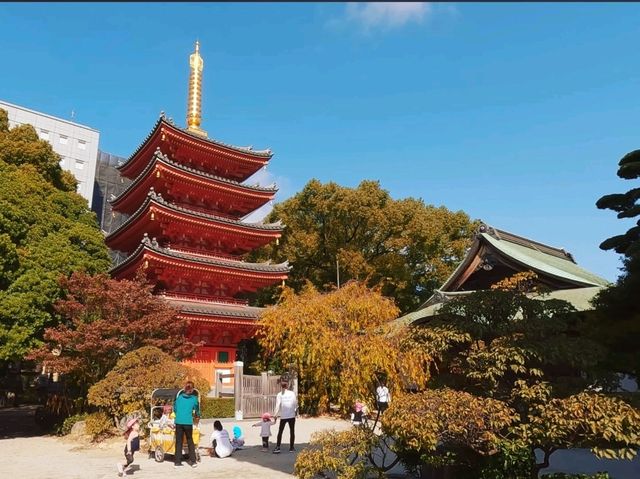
<point>184,209</point>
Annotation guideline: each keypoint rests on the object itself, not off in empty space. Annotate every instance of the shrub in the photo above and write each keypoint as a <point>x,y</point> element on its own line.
<point>217,407</point>
<point>69,422</point>
<point>99,425</point>
<point>128,386</point>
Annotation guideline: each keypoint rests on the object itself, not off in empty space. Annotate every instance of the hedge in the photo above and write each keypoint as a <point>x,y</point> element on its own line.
<point>217,407</point>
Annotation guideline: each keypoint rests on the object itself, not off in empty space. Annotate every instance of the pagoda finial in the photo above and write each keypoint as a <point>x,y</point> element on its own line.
<point>194,103</point>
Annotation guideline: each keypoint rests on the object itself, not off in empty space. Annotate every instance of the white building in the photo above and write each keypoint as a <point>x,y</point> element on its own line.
<point>76,144</point>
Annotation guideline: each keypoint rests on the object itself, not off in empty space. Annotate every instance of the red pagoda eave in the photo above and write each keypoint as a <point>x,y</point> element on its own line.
<point>156,260</point>
<point>240,162</point>
<point>154,217</point>
<point>161,171</point>
<point>202,318</point>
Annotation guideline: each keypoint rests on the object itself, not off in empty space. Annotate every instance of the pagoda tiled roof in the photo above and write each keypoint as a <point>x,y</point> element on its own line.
<point>153,245</point>
<point>215,309</point>
<point>153,197</point>
<point>158,156</point>
<point>162,120</point>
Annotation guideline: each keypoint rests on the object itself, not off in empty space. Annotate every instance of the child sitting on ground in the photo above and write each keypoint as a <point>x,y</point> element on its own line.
<point>265,432</point>
<point>237,441</point>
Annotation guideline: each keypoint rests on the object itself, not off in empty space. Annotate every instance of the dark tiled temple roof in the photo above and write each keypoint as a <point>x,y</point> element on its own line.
<point>215,309</point>
<point>158,156</point>
<point>153,245</point>
<point>530,255</point>
<point>153,197</point>
<point>163,120</point>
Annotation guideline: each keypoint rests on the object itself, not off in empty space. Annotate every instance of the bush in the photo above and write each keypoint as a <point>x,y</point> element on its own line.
<point>127,387</point>
<point>69,422</point>
<point>99,425</point>
<point>217,407</point>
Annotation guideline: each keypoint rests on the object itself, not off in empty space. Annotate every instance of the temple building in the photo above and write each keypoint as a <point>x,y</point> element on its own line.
<point>495,255</point>
<point>182,211</point>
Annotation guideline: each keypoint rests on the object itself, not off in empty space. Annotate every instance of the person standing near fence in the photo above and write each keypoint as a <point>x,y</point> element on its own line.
<point>287,405</point>
<point>383,397</point>
<point>186,407</point>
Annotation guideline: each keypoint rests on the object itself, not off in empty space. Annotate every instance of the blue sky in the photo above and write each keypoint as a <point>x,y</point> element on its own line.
<point>515,113</point>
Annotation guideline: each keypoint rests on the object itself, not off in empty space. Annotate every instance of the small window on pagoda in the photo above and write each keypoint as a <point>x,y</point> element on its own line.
<point>182,286</point>
<point>223,357</point>
<point>225,338</point>
<point>201,288</point>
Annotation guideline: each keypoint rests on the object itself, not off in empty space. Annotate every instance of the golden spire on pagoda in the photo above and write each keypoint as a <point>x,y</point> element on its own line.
<point>194,103</point>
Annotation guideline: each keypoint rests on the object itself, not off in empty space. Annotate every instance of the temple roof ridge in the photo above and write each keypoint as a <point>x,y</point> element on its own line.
<point>503,235</point>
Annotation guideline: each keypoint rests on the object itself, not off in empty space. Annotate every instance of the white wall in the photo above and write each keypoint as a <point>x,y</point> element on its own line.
<point>77,144</point>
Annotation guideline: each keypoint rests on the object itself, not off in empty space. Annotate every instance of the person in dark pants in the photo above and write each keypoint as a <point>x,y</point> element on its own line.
<point>287,402</point>
<point>186,407</point>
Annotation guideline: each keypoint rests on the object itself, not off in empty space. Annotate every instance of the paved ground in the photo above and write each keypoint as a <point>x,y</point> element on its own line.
<point>26,456</point>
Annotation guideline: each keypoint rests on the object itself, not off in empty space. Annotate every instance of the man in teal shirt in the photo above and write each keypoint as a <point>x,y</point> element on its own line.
<point>185,407</point>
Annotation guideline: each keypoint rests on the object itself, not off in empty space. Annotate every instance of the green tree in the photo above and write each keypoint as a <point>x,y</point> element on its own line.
<point>404,246</point>
<point>617,318</point>
<point>46,230</point>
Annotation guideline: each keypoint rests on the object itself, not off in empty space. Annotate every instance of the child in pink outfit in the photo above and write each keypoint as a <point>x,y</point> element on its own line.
<point>265,431</point>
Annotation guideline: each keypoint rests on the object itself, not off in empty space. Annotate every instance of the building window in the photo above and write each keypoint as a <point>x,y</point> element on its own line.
<point>64,140</point>
<point>44,135</point>
<point>223,357</point>
<point>79,165</point>
<point>82,145</point>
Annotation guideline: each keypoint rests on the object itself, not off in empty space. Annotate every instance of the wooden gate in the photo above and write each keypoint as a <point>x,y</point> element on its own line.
<point>259,394</point>
<point>254,395</point>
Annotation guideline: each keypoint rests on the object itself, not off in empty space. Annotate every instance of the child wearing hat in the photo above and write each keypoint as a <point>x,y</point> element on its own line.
<point>265,431</point>
<point>133,444</point>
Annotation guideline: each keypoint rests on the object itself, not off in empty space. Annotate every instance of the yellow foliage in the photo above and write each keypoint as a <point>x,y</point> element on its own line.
<point>338,344</point>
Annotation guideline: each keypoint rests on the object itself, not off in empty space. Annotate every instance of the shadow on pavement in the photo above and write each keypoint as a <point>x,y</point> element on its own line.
<point>19,422</point>
<point>282,462</point>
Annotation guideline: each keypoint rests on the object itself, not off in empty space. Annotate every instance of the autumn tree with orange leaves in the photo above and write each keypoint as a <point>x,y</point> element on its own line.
<point>104,319</point>
<point>337,344</point>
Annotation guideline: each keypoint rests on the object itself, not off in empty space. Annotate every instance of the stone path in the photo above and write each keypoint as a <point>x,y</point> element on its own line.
<point>50,457</point>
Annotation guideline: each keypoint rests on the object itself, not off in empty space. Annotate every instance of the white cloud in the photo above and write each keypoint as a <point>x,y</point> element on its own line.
<point>387,15</point>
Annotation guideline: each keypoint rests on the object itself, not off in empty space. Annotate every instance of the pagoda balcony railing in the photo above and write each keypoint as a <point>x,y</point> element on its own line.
<point>203,252</point>
<point>203,298</point>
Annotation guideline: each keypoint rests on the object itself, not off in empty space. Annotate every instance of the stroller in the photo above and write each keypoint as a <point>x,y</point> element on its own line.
<point>162,440</point>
